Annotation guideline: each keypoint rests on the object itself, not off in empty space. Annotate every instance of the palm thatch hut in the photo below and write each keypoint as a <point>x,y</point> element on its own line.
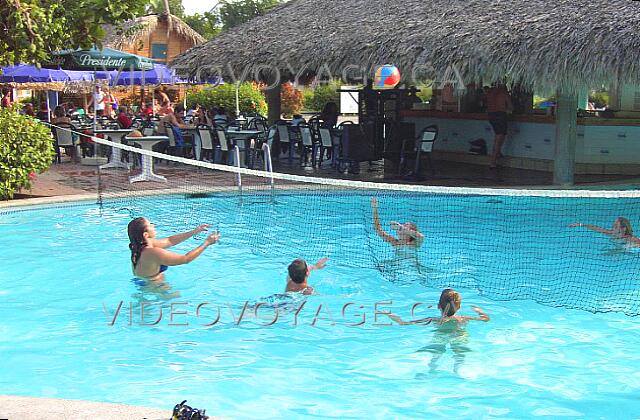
<point>161,37</point>
<point>559,45</point>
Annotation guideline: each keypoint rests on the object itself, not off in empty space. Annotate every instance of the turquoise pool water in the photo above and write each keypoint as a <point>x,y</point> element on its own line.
<point>65,271</point>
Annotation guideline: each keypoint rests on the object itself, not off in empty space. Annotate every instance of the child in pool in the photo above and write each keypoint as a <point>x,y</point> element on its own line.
<point>450,328</point>
<point>299,272</point>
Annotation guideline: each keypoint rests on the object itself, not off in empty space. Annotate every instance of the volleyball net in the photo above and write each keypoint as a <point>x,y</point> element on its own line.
<point>506,244</point>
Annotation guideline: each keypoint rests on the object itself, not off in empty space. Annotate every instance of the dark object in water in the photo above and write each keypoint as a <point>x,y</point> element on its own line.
<point>198,195</point>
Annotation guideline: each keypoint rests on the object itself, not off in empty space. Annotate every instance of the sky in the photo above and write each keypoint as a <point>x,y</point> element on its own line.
<point>198,6</point>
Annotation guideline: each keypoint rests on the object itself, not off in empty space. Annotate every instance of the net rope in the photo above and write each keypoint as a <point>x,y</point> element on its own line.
<point>506,244</point>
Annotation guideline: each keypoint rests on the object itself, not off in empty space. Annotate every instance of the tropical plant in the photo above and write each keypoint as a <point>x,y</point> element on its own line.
<point>159,7</point>
<point>206,24</point>
<point>291,99</point>
<point>233,13</point>
<point>32,29</point>
<point>250,98</point>
<point>26,148</point>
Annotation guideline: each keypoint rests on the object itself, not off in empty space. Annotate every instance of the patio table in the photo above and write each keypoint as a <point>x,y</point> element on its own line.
<point>147,173</point>
<point>239,138</point>
<point>115,161</point>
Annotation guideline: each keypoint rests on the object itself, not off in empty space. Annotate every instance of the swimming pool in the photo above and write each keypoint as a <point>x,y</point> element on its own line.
<point>66,271</point>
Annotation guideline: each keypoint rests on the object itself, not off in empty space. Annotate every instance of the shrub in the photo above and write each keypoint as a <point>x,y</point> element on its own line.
<point>291,99</point>
<point>426,92</point>
<point>307,98</point>
<point>323,94</point>
<point>26,148</point>
<point>600,98</point>
<point>251,98</point>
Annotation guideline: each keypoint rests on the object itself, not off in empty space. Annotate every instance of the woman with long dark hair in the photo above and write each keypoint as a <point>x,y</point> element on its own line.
<point>149,256</point>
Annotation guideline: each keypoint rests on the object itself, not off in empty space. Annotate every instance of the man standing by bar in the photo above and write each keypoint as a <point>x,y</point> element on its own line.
<point>498,106</point>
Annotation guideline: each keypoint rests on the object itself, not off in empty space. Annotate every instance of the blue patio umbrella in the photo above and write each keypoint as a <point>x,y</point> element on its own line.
<point>158,75</point>
<point>24,73</point>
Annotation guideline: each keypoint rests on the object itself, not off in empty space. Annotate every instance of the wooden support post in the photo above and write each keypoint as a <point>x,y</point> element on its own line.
<point>566,122</point>
<point>274,103</point>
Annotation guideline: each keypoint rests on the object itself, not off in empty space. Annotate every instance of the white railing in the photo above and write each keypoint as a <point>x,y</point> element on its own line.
<point>236,156</point>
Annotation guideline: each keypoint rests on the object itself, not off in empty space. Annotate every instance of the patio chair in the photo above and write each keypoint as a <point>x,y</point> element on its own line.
<point>257,123</point>
<point>64,138</point>
<point>423,144</point>
<point>206,140</point>
<point>222,149</point>
<point>326,145</point>
<point>307,146</point>
<point>285,140</point>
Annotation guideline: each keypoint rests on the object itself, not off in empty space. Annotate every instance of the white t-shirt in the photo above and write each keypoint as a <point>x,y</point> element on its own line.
<point>99,98</point>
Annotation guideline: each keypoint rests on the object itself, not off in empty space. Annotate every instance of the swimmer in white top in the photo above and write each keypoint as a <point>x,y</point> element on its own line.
<point>408,234</point>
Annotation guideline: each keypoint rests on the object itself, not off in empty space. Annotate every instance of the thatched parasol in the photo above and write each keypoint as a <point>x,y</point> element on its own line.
<point>540,43</point>
<point>133,33</point>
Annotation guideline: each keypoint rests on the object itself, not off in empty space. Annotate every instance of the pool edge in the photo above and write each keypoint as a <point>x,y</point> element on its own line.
<point>58,199</point>
<point>37,408</point>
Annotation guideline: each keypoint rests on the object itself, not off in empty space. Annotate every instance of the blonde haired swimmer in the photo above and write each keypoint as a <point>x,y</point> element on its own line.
<point>408,234</point>
<point>621,229</point>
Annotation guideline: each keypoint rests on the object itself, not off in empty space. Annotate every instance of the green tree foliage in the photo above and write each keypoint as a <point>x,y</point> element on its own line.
<point>158,7</point>
<point>207,24</point>
<point>31,29</point>
<point>26,148</point>
<point>251,98</point>
<point>233,13</point>
<point>321,95</point>
<point>600,98</point>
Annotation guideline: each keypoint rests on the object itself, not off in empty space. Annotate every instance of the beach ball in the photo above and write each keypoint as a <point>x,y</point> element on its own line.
<point>386,77</point>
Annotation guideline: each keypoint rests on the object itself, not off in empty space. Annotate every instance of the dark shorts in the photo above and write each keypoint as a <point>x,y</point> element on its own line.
<point>498,121</point>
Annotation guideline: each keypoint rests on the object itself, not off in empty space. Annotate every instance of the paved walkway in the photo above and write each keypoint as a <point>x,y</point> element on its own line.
<point>27,408</point>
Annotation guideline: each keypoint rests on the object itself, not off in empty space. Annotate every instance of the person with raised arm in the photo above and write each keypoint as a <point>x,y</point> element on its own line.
<point>149,255</point>
<point>299,272</point>
<point>621,229</point>
<point>408,233</point>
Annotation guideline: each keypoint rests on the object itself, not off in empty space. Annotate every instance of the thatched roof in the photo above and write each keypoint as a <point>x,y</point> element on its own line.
<point>132,33</point>
<point>542,43</point>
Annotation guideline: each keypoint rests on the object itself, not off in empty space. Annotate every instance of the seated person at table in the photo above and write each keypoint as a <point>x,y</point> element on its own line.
<point>149,256</point>
<point>164,109</point>
<point>123,118</point>
<point>221,118</point>
<point>147,110</point>
<point>28,110</point>
<point>297,120</point>
<point>408,233</point>
<point>299,272</point>
<point>43,114</point>
<point>329,115</point>
<point>176,122</point>
<point>59,117</point>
